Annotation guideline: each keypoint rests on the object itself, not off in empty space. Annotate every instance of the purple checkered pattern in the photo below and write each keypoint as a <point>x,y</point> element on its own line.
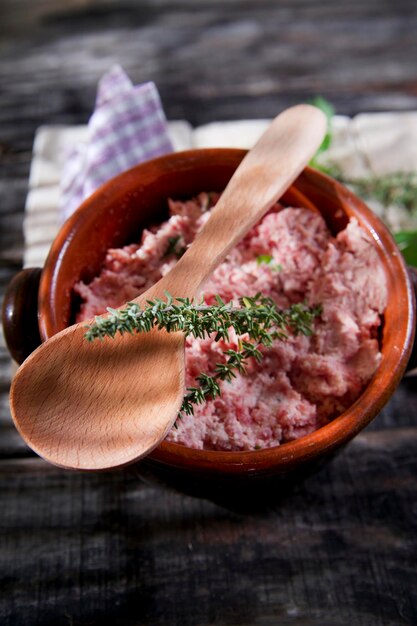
<point>128,126</point>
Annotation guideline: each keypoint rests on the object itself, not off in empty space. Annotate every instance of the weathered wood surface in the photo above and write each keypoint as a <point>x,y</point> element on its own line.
<point>108,549</point>
<point>94,549</point>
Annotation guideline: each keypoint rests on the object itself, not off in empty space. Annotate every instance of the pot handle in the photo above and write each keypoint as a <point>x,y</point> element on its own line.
<point>20,313</point>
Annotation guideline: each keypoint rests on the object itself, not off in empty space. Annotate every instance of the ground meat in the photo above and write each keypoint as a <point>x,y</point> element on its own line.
<point>302,382</point>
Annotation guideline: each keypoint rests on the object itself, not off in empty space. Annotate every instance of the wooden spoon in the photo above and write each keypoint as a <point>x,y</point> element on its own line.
<point>104,404</point>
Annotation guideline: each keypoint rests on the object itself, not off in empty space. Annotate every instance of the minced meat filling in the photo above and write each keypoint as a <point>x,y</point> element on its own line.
<point>302,382</point>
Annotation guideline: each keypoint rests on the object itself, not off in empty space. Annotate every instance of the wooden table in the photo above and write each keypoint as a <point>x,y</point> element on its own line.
<point>107,548</point>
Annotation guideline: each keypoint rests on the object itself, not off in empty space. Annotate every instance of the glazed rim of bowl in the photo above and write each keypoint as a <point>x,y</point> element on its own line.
<point>398,329</point>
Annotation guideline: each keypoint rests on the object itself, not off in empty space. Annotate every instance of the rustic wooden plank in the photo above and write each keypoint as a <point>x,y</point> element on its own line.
<point>221,61</point>
<point>401,410</point>
<point>107,549</point>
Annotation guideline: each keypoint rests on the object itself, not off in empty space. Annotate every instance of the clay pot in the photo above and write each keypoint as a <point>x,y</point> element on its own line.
<point>115,215</point>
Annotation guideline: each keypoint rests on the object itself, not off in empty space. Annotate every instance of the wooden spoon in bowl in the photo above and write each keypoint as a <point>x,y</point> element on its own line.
<point>104,404</point>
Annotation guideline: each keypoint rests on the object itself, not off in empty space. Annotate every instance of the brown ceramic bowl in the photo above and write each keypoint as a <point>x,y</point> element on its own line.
<point>116,214</point>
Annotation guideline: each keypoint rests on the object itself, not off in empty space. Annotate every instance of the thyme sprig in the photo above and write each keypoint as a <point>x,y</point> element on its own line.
<point>173,248</point>
<point>268,259</point>
<point>394,189</point>
<point>209,388</point>
<point>257,321</point>
<point>257,316</point>
<point>397,188</point>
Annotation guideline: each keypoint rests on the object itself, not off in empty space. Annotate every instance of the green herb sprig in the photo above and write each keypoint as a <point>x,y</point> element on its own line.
<point>209,388</point>
<point>258,318</point>
<point>268,259</point>
<point>392,189</point>
<point>397,188</point>
<point>328,110</point>
<point>173,247</point>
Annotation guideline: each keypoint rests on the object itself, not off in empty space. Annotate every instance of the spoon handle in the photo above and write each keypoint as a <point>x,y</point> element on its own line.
<point>263,176</point>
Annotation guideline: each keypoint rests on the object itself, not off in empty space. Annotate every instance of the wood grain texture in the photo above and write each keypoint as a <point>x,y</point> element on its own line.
<point>107,549</point>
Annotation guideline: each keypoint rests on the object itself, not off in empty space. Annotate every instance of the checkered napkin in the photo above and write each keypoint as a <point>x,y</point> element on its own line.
<point>128,126</point>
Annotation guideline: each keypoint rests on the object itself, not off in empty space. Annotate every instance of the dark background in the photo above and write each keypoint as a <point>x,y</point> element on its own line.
<point>109,549</point>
